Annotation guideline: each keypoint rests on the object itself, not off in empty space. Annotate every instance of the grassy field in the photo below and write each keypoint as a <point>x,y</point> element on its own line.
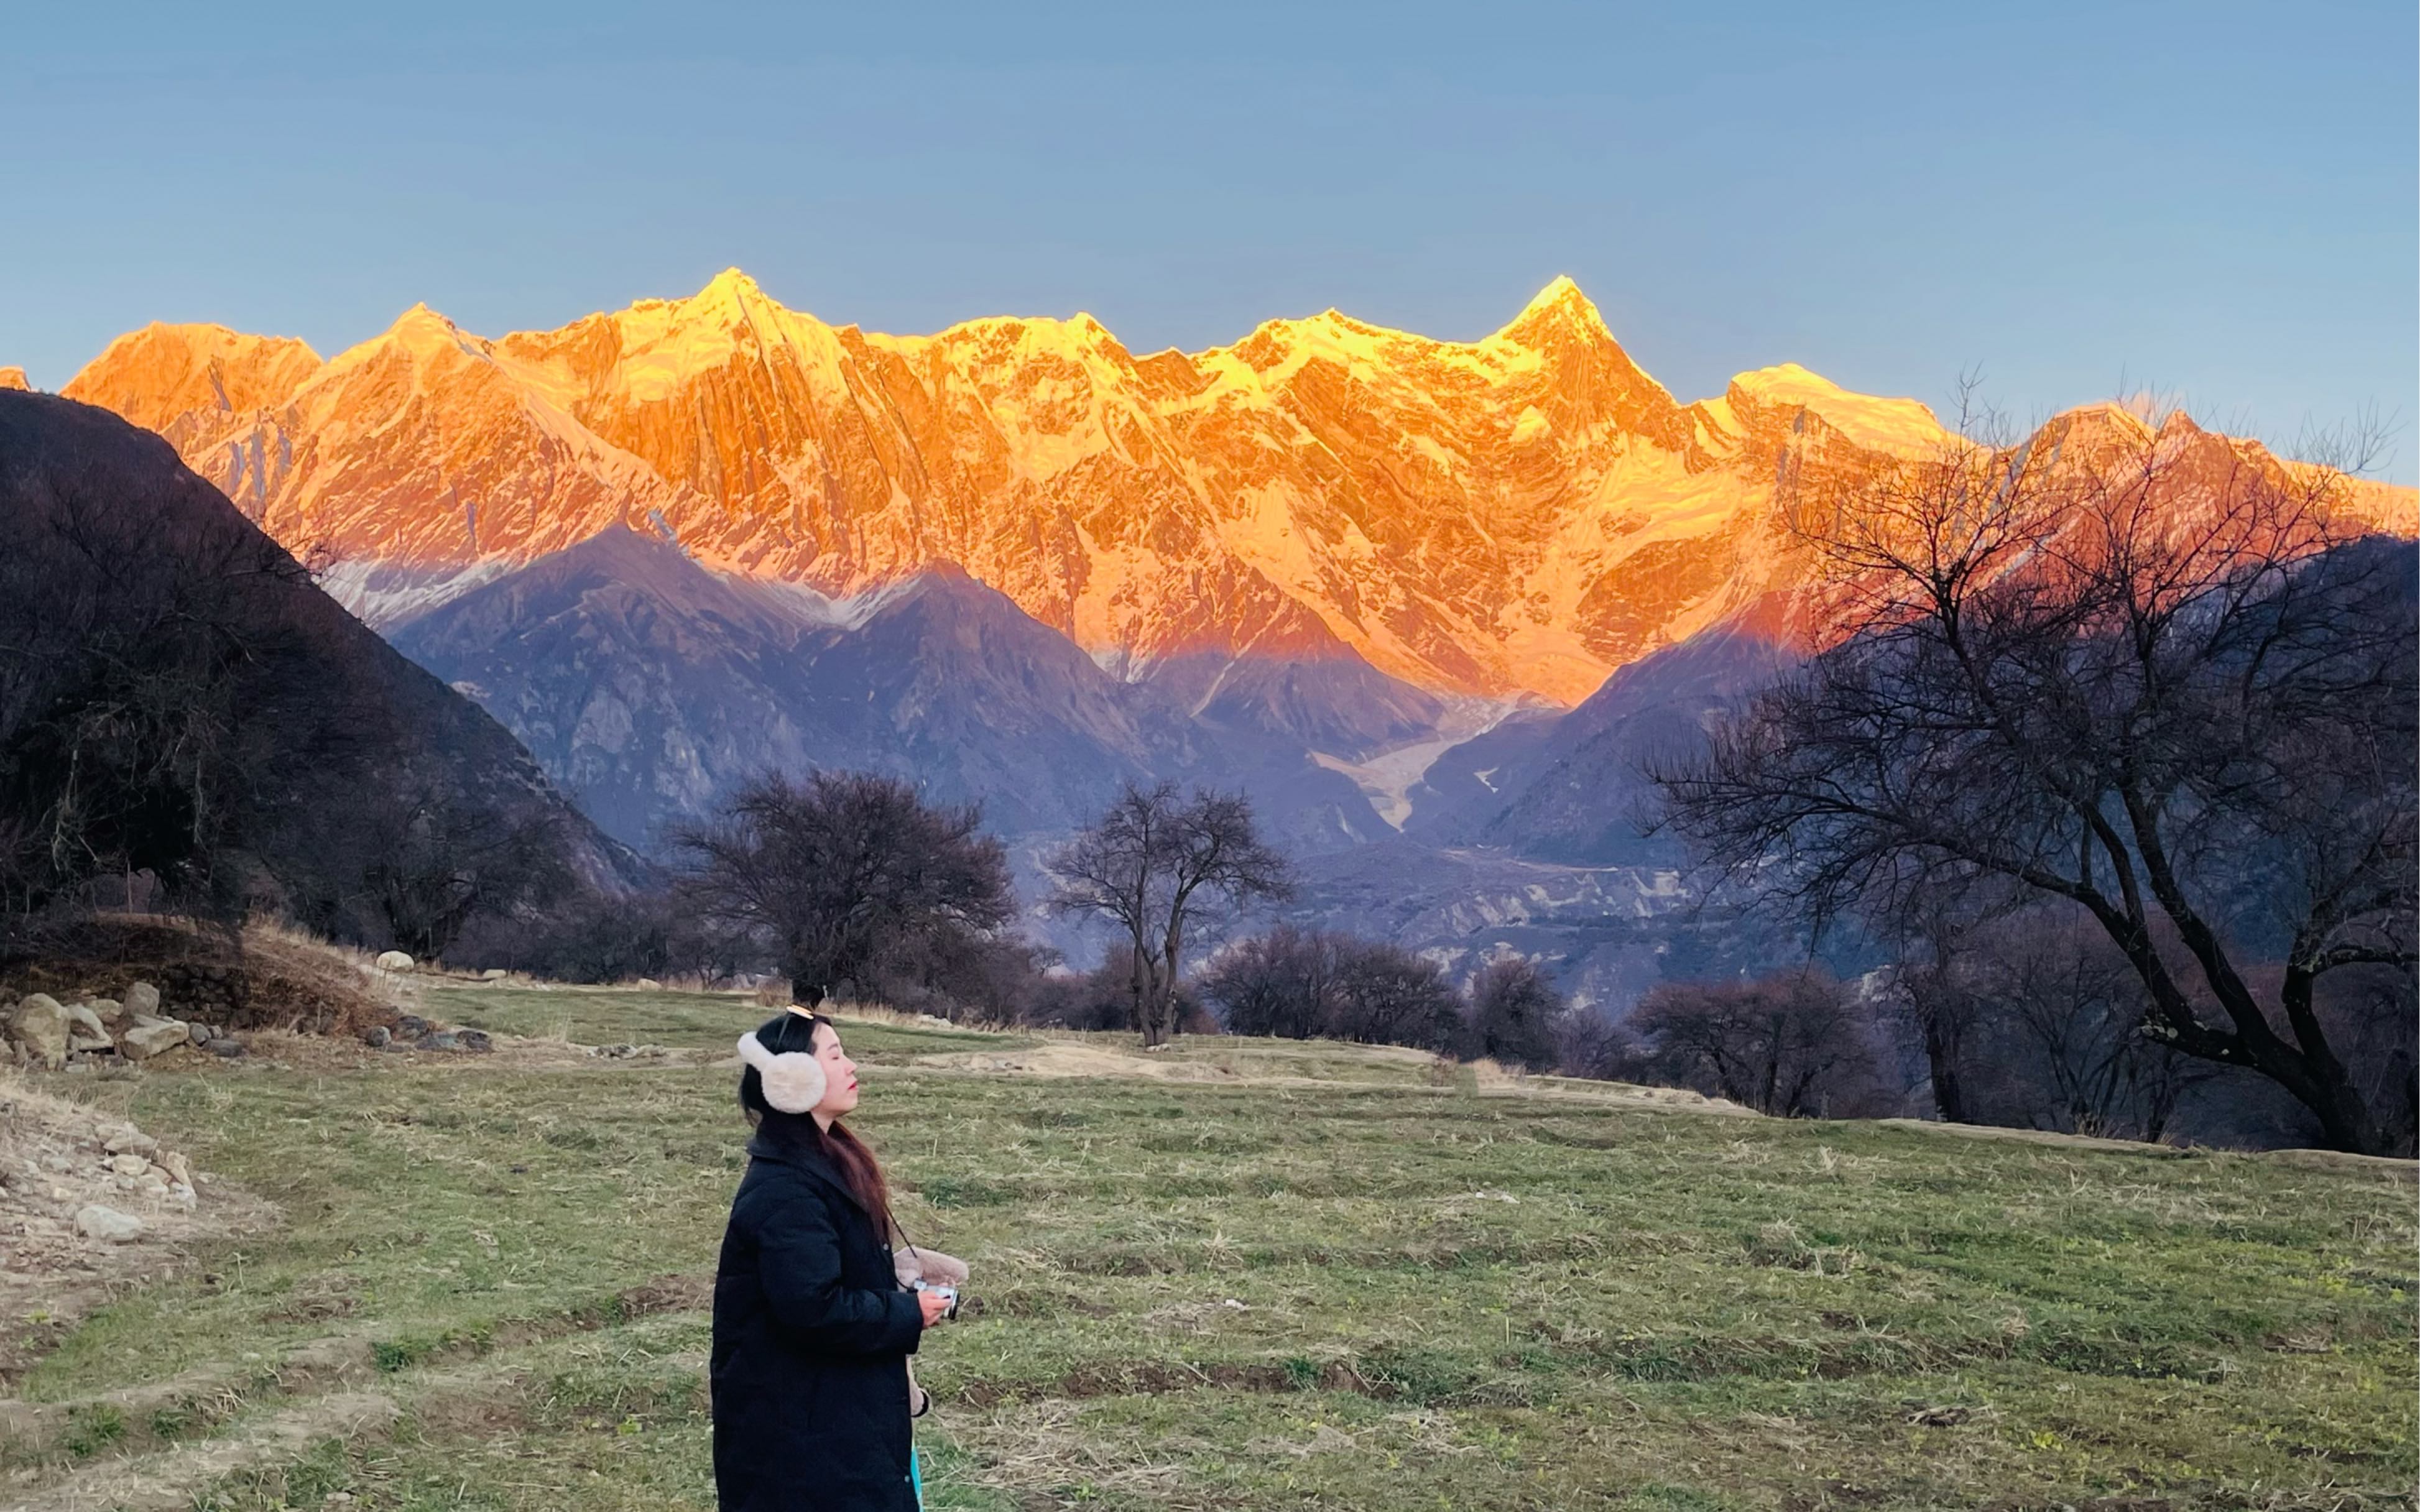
<point>1255,1277</point>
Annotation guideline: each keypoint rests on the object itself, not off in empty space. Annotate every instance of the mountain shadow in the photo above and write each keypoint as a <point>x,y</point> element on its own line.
<point>177,696</point>
<point>651,686</point>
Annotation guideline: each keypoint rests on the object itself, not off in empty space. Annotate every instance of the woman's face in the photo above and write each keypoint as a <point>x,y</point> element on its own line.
<point>840,1073</point>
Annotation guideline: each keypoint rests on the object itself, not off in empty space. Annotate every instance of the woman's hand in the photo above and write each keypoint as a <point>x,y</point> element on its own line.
<point>935,1303</point>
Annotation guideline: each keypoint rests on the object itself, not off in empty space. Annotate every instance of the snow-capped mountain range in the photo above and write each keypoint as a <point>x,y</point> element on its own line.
<point>1520,514</point>
<point>1358,573</point>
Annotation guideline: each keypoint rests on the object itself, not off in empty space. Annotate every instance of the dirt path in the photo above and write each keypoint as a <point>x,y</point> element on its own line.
<point>1085,1061</point>
<point>169,1480</point>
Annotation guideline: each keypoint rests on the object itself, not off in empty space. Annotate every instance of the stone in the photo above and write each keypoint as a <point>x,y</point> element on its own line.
<point>394,961</point>
<point>649,984</point>
<point>440,1039</point>
<point>143,998</point>
<point>377,1037</point>
<point>412,1027</point>
<point>109,1010</point>
<point>178,1171</point>
<point>475,1040</point>
<point>94,1221</point>
<point>129,1164</point>
<point>200,1033</point>
<point>130,1141</point>
<point>144,1040</point>
<point>226,1049</point>
<point>494,974</point>
<point>41,1023</point>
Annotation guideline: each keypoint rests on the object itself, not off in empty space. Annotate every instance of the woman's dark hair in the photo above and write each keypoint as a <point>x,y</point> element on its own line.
<point>794,1033</point>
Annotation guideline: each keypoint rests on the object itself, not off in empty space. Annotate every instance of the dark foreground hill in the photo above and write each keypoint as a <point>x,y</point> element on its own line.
<point>177,697</point>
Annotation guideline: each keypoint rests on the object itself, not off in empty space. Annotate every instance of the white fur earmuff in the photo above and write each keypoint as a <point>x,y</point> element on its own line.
<point>794,1080</point>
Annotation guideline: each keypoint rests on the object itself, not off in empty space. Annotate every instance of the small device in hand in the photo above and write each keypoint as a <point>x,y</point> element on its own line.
<point>942,1290</point>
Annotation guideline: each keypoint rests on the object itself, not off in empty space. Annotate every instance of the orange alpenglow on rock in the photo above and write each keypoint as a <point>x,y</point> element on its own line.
<point>1518,515</point>
<point>13,378</point>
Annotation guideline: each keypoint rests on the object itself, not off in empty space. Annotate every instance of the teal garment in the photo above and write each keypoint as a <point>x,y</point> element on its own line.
<point>915,1479</point>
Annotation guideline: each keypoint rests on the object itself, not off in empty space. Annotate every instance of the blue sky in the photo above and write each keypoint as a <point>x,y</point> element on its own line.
<point>2215,201</point>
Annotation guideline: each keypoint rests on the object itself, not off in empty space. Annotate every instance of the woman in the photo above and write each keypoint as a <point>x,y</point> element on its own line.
<point>812,1327</point>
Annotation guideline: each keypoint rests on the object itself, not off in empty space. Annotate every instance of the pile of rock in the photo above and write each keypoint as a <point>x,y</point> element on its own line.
<point>90,1177</point>
<point>64,1035</point>
<point>625,1052</point>
<point>413,1032</point>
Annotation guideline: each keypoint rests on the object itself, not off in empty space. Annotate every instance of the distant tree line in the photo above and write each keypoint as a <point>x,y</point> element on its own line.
<point>855,887</point>
<point>1299,984</point>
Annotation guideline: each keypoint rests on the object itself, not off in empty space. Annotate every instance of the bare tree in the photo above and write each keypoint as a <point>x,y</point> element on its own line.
<point>1512,1011</point>
<point>1282,983</point>
<point>1793,1045</point>
<point>1296,983</point>
<point>2059,1014</point>
<point>2141,669</point>
<point>1933,930</point>
<point>1102,999</point>
<point>1386,994</point>
<point>1158,866</point>
<point>436,863</point>
<point>851,878</point>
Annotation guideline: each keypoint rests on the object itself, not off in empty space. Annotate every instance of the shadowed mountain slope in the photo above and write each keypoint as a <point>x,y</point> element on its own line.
<point>651,685</point>
<point>309,730</point>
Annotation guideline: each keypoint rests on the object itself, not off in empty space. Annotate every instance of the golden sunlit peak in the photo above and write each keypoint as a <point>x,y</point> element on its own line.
<point>421,321</point>
<point>1891,424</point>
<point>1788,381</point>
<point>730,292</point>
<point>1560,301</point>
<point>729,296</point>
<point>1557,292</point>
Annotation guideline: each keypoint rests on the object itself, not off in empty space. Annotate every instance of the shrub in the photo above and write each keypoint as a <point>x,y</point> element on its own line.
<point>1798,1044</point>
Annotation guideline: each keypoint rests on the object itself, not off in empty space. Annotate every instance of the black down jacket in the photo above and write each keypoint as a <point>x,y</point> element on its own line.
<point>812,1334</point>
